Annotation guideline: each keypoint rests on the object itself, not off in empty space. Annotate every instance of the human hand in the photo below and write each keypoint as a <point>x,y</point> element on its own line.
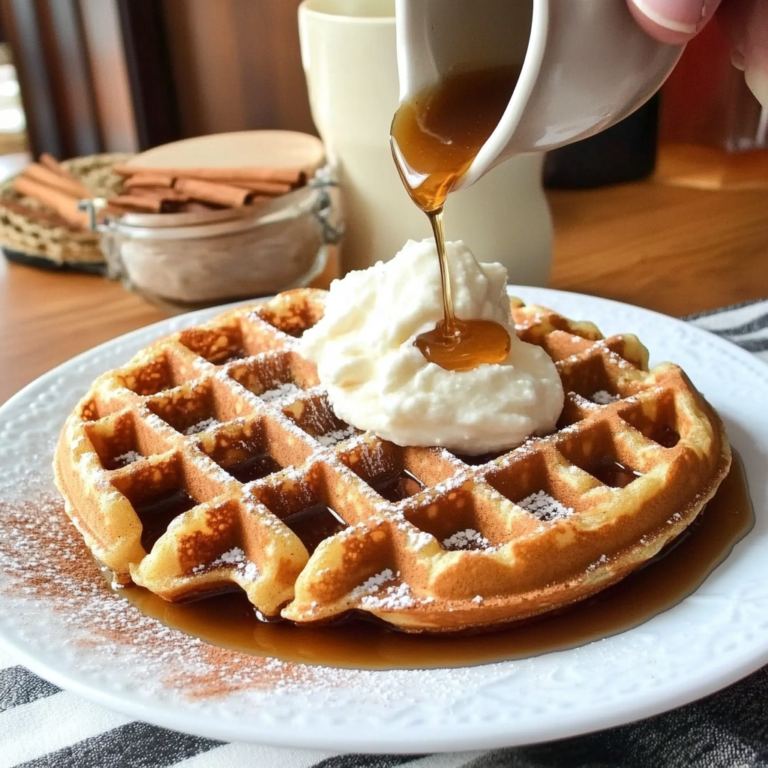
<point>677,21</point>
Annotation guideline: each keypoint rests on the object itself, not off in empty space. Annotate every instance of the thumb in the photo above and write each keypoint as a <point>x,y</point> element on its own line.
<point>747,22</point>
<point>672,21</point>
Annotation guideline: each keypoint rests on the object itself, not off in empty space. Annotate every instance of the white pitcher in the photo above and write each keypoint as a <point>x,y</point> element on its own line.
<point>586,64</point>
<point>349,54</point>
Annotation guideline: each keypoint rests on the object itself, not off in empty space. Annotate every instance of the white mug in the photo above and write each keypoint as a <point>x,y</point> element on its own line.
<point>585,65</point>
<point>350,58</point>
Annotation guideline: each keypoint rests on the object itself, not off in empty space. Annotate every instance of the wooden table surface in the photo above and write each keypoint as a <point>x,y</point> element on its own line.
<point>673,249</point>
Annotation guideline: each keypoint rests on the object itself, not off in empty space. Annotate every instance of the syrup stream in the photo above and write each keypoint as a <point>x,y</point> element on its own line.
<point>436,222</point>
<point>435,136</point>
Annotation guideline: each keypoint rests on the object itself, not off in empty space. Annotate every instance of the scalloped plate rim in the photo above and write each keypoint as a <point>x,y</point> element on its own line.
<point>370,737</point>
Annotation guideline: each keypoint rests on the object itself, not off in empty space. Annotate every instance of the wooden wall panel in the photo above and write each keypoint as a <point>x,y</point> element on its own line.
<point>237,65</point>
<point>101,24</point>
<point>71,76</point>
<point>59,48</point>
<point>180,68</point>
<point>47,86</point>
<point>150,75</point>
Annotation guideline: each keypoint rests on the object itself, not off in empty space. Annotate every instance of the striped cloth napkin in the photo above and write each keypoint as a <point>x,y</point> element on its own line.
<point>42,726</point>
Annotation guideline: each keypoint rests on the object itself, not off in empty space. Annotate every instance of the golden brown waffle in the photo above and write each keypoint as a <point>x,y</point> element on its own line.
<point>213,459</point>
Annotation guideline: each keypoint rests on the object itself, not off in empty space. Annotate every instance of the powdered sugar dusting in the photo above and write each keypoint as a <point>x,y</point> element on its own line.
<point>418,539</point>
<point>129,457</point>
<point>43,559</point>
<point>336,436</point>
<point>396,597</point>
<point>545,507</point>
<point>582,402</point>
<point>602,560</point>
<point>236,557</point>
<point>280,392</point>
<point>601,397</point>
<point>467,540</point>
<point>373,583</point>
<point>201,426</point>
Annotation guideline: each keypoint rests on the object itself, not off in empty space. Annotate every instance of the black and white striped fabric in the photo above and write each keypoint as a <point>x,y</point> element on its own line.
<point>744,324</point>
<point>42,726</point>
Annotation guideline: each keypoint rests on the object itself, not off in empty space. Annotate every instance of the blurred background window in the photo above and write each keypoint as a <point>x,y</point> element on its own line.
<point>13,137</point>
<point>13,126</point>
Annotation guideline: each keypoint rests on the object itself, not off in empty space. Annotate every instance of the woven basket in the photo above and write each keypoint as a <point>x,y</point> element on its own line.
<point>43,243</point>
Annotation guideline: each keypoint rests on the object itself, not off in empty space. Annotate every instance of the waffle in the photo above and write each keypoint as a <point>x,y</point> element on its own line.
<point>213,460</point>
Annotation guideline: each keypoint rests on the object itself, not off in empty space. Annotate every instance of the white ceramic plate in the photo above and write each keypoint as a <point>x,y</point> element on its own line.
<point>89,642</point>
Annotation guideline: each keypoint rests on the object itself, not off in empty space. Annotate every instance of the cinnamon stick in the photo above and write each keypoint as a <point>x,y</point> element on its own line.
<point>160,193</point>
<point>39,215</point>
<point>50,178</point>
<point>195,207</point>
<point>155,180</point>
<point>265,188</point>
<point>292,176</point>
<point>52,164</point>
<point>149,180</point>
<point>61,202</point>
<point>117,210</point>
<point>211,192</point>
<point>144,203</point>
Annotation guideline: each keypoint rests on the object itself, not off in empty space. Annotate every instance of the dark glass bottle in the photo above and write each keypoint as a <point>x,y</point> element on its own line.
<point>623,152</point>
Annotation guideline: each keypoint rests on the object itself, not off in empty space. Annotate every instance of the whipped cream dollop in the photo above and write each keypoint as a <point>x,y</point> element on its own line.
<point>378,380</point>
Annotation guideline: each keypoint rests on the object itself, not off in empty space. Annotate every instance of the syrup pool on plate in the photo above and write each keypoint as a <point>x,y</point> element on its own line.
<point>229,620</point>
